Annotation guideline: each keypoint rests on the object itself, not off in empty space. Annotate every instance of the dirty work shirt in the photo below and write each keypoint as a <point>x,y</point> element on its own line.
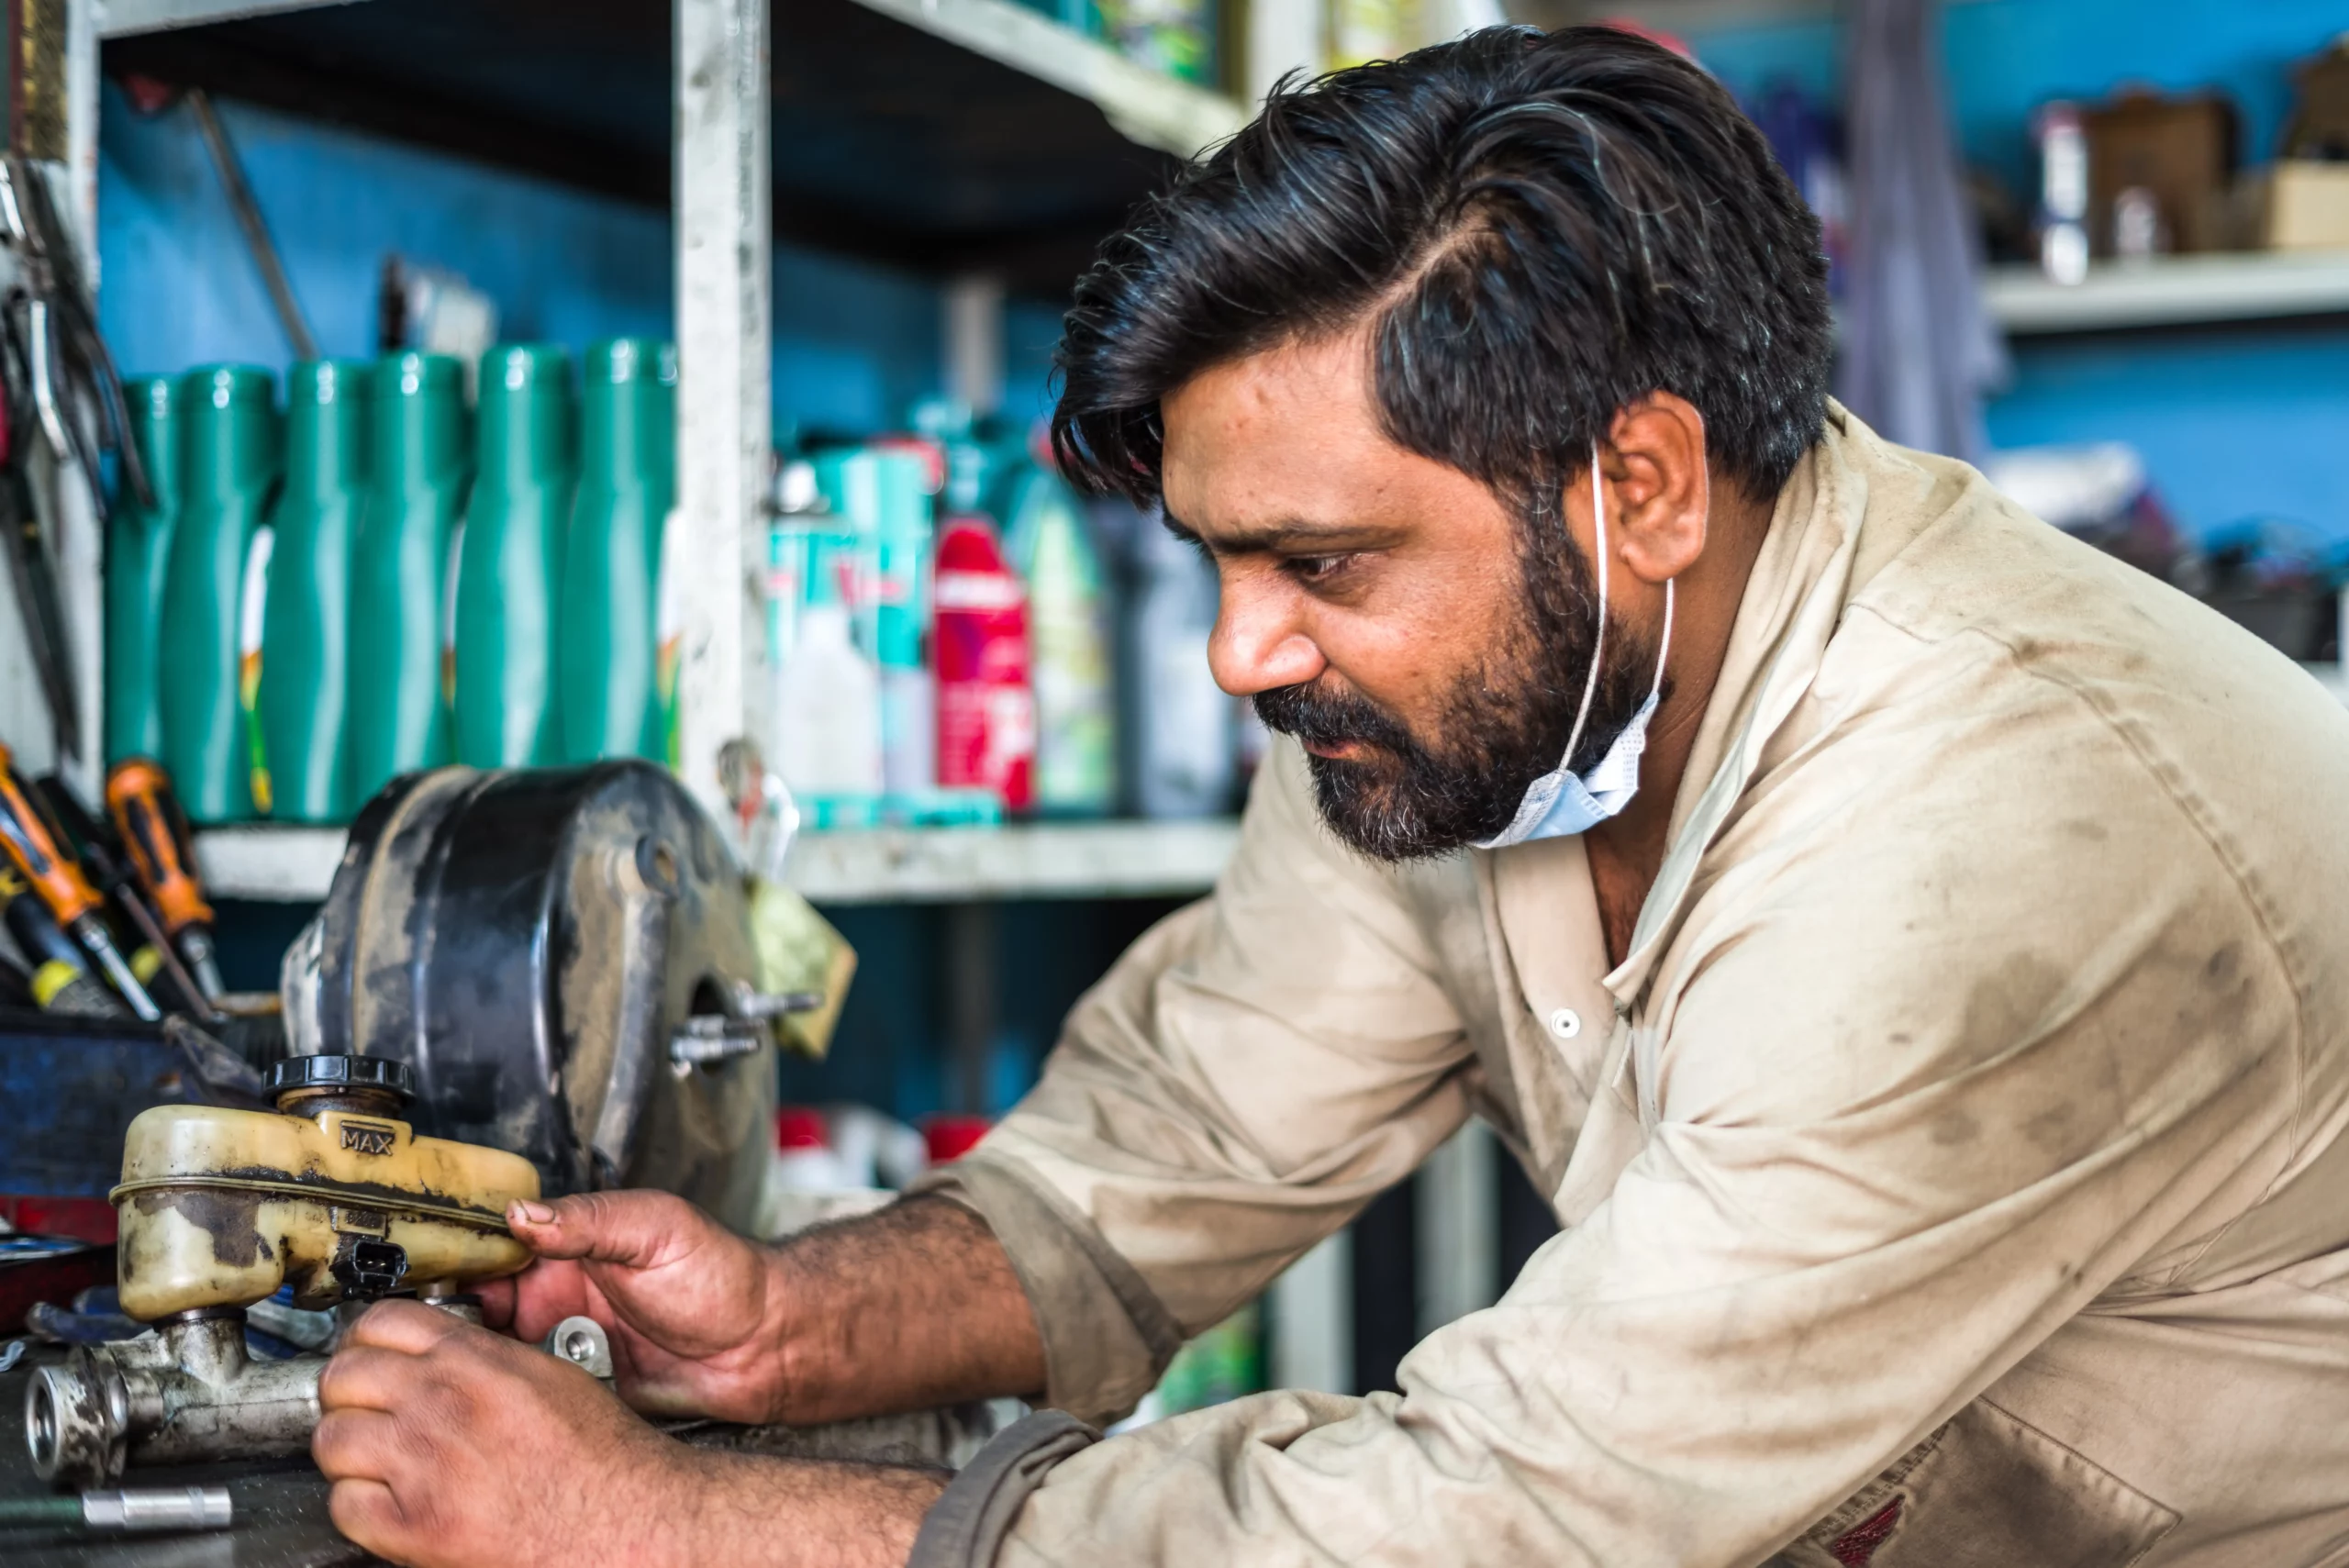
<point>1952,1173</point>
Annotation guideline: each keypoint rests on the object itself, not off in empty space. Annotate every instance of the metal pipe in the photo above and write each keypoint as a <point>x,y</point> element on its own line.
<point>240,201</point>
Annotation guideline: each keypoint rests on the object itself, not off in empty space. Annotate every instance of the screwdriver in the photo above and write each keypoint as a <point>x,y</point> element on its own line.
<point>154,833</point>
<point>100,856</point>
<point>38,850</point>
<point>62,982</point>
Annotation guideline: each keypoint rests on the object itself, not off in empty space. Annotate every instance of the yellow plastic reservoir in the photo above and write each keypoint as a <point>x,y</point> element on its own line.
<point>331,1194</point>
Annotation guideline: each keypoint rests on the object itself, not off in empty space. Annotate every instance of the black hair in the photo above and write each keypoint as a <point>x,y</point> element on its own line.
<point>1546,226</point>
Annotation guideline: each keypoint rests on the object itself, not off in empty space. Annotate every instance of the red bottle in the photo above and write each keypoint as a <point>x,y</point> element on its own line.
<point>987,709</point>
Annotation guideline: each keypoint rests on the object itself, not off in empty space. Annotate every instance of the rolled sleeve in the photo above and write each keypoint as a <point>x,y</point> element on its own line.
<point>1255,1071</point>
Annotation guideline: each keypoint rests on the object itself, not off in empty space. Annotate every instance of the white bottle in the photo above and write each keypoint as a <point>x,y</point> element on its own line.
<point>829,718</point>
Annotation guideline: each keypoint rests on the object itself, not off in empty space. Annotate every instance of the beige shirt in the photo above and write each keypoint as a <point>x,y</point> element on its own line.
<point>1952,1173</point>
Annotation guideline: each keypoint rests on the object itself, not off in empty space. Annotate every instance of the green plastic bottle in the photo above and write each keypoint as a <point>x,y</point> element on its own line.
<point>510,565</point>
<point>608,695</point>
<point>306,630</point>
<point>138,553</point>
<point>227,463</point>
<point>416,489</point>
<point>1050,547</point>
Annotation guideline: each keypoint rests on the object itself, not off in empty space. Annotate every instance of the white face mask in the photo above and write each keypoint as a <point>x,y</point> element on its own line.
<point>1561,803</point>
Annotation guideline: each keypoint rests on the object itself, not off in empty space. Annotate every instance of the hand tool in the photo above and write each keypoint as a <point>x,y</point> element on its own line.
<point>167,1507</point>
<point>62,980</point>
<point>100,851</point>
<point>67,366</point>
<point>40,851</point>
<point>31,571</point>
<point>155,837</point>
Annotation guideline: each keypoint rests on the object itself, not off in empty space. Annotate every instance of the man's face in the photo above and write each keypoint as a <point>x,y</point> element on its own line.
<point>1426,642</point>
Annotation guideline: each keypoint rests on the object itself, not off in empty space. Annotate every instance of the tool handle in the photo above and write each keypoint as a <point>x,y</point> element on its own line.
<point>32,928</point>
<point>37,845</point>
<point>154,833</point>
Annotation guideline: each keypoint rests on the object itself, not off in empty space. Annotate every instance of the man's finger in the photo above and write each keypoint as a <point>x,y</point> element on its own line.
<point>368,1377</point>
<point>406,1326</point>
<point>353,1444</point>
<point>496,1302</point>
<point>369,1514</point>
<point>636,1229</point>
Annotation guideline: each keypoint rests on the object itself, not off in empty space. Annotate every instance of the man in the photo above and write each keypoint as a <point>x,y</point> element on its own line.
<point>1901,942</point>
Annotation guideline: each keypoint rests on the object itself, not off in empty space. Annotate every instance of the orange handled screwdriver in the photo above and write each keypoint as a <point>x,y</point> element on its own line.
<point>40,851</point>
<point>154,835</point>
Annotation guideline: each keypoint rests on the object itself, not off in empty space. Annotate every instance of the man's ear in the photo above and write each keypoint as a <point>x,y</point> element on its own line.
<point>1658,486</point>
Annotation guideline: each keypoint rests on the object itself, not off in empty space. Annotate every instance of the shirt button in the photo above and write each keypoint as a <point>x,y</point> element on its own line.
<point>1565,1023</point>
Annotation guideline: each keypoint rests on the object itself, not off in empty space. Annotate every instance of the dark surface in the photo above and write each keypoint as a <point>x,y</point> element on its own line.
<point>888,143</point>
<point>281,1512</point>
<point>1385,1285</point>
<point>68,1089</point>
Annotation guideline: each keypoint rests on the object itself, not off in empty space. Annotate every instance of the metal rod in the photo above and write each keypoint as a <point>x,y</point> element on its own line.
<point>240,201</point>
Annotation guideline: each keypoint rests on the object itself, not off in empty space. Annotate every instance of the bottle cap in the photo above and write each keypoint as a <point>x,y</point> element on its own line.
<point>342,1072</point>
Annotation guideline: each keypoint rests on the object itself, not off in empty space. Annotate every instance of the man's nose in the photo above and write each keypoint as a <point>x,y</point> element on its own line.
<point>1258,644</point>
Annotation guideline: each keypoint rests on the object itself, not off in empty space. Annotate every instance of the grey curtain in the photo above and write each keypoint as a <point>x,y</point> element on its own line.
<point>1918,348</point>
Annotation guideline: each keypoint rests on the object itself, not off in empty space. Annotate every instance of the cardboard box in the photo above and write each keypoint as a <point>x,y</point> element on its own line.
<point>2307,206</point>
<point>2180,148</point>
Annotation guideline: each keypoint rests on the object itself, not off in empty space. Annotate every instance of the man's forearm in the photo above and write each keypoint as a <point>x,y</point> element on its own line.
<point>912,1307</point>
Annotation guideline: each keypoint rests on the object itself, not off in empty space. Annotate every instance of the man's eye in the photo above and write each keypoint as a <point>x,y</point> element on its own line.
<point>1317,568</point>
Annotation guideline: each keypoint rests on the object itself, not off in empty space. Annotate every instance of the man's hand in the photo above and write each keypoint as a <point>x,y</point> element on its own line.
<point>447,1444</point>
<point>692,1309</point>
<point>913,1307</point>
<point>451,1447</point>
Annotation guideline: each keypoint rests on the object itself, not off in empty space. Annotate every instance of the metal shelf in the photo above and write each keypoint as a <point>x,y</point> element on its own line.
<point>1075,859</point>
<point>940,135</point>
<point>2171,291</point>
<point>1050,860</point>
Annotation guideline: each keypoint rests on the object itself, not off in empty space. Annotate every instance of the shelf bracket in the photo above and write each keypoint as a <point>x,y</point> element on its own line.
<point>725,435</point>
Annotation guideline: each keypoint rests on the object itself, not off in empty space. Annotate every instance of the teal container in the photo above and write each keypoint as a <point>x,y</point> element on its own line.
<point>608,694</point>
<point>510,565</point>
<point>228,461</point>
<point>138,555</point>
<point>306,630</point>
<point>416,490</point>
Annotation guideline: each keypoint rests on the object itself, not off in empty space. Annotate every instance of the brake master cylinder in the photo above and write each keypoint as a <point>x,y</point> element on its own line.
<point>333,1194</point>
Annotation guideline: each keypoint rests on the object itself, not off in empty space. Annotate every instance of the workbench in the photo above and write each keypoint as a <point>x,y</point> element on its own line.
<point>280,1504</point>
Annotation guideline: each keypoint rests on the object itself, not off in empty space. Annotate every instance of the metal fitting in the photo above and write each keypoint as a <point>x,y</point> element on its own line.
<point>583,1343</point>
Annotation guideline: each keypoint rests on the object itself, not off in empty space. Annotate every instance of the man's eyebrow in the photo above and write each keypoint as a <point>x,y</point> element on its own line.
<point>1288,533</point>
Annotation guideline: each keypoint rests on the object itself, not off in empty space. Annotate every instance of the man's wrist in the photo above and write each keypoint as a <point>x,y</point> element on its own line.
<point>792,1327</point>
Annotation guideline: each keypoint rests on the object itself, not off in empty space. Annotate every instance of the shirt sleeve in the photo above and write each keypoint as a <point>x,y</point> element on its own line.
<point>1246,1078</point>
<point>1929,1081</point>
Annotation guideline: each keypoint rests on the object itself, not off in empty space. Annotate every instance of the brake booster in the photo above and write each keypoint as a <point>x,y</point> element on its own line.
<point>556,966</point>
<point>331,1194</point>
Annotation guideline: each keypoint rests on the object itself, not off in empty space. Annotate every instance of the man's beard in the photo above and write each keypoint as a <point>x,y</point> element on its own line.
<point>1498,729</point>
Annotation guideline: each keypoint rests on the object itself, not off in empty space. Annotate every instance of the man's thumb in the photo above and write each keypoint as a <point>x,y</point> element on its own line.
<point>605,1228</point>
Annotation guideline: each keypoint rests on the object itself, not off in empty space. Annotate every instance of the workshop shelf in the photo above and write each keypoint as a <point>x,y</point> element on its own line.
<point>2171,291</point>
<point>1050,860</point>
<point>942,135</point>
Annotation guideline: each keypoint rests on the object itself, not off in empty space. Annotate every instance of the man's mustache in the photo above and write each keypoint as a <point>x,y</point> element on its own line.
<point>1333,719</point>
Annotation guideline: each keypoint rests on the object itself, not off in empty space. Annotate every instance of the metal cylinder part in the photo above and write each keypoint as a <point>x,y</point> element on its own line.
<point>188,1393</point>
<point>165,1507</point>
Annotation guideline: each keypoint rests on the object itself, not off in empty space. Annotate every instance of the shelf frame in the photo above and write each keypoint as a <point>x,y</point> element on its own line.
<point>1145,105</point>
<point>2171,291</point>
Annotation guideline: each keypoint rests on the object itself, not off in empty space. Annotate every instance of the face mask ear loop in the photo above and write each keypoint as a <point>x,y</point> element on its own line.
<point>1598,643</point>
<point>1663,651</point>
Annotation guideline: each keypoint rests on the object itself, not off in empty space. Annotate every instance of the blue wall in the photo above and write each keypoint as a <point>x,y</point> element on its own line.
<point>2233,425</point>
<point>855,344</point>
